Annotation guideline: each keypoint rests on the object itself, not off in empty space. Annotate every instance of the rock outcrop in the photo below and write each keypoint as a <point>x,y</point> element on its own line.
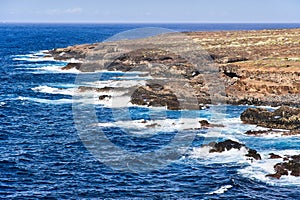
<point>260,67</point>
<point>72,66</point>
<point>289,167</point>
<point>230,144</point>
<point>282,118</point>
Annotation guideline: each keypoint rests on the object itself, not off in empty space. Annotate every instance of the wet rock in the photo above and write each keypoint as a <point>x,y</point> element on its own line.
<point>150,97</point>
<point>206,124</point>
<point>102,97</point>
<point>253,154</point>
<point>274,156</point>
<point>290,167</point>
<point>230,144</point>
<point>282,118</point>
<point>259,132</point>
<point>226,146</point>
<point>71,66</point>
<point>272,132</point>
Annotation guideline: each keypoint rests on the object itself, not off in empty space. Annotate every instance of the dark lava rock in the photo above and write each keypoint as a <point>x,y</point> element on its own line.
<point>101,97</point>
<point>229,144</point>
<point>206,124</point>
<point>282,118</point>
<point>71,66</point>
<point>260,132</point>
<point>88,88</point>
<point>274,156</point>
<point>253,154</point>
<point>151,97</point>
<point>291,164</point>
<point>270,132</point>
<point>226,145</point>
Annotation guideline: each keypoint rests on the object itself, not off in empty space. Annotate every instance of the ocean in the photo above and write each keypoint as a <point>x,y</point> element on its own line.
<point>43,156</point>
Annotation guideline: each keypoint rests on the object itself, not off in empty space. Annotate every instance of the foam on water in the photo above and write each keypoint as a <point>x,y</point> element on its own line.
<point>221,190</point>
<point>33,58</point>
<point>52,90</point>
<point>117,83</point>
<point>54,69</point>
<point>149,126</point>
<point>202,155</point>
<point>41,56</point>
<point>258,170</point>
<point>46,101</point>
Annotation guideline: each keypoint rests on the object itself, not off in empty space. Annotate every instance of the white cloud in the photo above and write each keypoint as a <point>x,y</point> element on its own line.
<point>76,10</point>
<point>73,10</point>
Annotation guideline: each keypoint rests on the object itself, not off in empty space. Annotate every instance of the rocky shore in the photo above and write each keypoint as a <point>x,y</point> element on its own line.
<point>190,70</point>
<point>286,118</point>
<point>259,67</point>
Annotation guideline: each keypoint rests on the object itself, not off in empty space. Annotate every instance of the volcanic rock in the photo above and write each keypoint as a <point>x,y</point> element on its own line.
<point>290,166</point>
<point>282,118</point>
<point>229,144</point>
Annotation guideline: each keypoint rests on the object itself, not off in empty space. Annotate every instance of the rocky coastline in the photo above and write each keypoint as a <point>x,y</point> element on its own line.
<point>259,67</point>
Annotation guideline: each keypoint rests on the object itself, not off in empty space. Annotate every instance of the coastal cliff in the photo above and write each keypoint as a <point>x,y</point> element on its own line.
<point>259,67</point>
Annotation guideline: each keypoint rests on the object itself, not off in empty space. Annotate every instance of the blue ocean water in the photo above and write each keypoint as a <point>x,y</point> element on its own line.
<point>42,154</point>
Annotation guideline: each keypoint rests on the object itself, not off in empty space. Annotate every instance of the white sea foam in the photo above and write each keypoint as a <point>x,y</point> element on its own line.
<point>146,127</point>
<point>34,59</point>
<point>52,90</point>
<point>221,190</point>
<point>232,156</point>
<point>117,83</point>
<point>2,103</point>
<point>54,69</point>
<point>258,170</point>
<point>46,101</point>
<point>39,56</point>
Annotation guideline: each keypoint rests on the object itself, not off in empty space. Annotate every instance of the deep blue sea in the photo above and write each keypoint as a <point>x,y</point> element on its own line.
<point>42,154</point>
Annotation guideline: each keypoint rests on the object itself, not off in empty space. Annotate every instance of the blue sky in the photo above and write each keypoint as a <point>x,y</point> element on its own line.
<point>126,11</point>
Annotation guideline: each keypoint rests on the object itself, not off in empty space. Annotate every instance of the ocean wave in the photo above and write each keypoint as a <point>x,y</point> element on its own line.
<point>221,190</point>
<point>202,155</point>
<point>54,69</point>
<point>33,59</point>
<point>145,127</point>
<point>45,101</point>
<point>258,170</point>
<point>52,90</point>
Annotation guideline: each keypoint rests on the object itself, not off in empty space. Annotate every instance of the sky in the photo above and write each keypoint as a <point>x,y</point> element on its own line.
<point>150,11</point>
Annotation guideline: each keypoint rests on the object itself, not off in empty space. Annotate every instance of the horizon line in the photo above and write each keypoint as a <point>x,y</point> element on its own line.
<point>147,22</point>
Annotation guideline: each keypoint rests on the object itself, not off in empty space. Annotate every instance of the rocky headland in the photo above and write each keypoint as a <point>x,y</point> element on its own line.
<point>259,67</point>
